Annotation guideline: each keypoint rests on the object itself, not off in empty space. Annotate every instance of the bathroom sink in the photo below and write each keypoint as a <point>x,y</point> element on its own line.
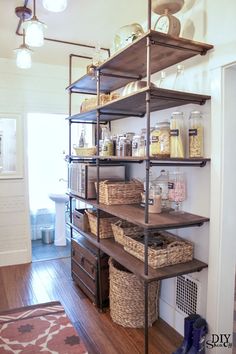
<point>59,198</point>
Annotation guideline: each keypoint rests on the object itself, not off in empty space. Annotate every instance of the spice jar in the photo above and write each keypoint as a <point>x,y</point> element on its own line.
<point>160,140</point>
<point>177,135</point>
<point>195,134</point>
<point>162,182</point>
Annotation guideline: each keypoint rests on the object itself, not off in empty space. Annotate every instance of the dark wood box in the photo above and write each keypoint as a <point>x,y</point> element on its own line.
<point>85,270</point>
<point>80,219</point>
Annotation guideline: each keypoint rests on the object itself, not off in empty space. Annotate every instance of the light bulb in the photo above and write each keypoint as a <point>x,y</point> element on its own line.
<point>23,57</point>
<point>34,32</point>
<point>55,5</point>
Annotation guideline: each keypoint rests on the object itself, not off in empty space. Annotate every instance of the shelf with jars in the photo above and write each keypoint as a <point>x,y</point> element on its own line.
<point>164,145</point>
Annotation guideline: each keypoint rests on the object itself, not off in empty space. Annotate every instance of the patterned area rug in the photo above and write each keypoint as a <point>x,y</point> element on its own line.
<point>43,328</point>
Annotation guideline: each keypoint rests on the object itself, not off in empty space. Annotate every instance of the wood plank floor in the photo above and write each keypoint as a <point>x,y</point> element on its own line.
<point>51,280</point>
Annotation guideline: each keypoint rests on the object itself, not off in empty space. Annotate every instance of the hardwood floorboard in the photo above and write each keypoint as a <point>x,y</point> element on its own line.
<point>46,281</point>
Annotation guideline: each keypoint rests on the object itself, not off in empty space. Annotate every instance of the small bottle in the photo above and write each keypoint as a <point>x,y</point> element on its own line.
<point>196,134</point>
<point>82,139</point>
<point>177,135</point>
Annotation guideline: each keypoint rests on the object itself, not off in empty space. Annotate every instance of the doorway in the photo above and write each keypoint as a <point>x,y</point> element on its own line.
<point>47,173</point>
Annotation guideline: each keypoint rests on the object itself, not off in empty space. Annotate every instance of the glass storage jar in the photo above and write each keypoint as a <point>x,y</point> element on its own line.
<point>154,200</point>
<point>125,147</point>
<point>177,190</point>
<point>162,182</point>
<point>177,135</point>
<point>196,133</point>
<point>135,145</point>
<point>160,140</point>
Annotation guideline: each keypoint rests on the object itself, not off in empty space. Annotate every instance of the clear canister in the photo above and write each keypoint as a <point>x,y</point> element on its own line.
<point>196,134</point>
<point>177,135</point>
<point>125,147</point>
<point>135,145</point>
<point>162,181</point>
<point>160,140</point>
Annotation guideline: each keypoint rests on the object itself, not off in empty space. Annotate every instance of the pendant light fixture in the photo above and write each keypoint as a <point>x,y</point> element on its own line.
<point>23,53</point>
<point>55,5</point>
<point>34,30</point>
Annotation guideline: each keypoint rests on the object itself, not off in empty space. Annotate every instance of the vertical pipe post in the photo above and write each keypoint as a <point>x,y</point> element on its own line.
<point>146,216</point>
<point>98,78</point>
<point>70,98</point>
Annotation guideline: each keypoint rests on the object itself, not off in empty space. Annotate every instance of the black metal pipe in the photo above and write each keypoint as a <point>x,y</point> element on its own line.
<point>162,44</point>
<point>121,76</point>
<point>146,317</point>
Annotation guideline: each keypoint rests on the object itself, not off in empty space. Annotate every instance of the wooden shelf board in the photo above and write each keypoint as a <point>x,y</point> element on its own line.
<point>135,214</point>
<point>120,108</point>
<point>116,251</point>
<point>131,61</point>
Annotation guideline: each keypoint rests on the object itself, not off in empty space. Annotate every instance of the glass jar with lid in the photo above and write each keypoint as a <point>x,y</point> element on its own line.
<point>125,147</point>
<point>177,135</point>
<point>162,181</point>
<point>160,140</point>
<point>177,190</point>
<point>154,200</point>
<point>196,131</point>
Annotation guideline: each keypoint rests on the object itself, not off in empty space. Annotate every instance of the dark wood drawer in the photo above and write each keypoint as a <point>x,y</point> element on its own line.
<point>80,254</point>
<point>89,280</point>
<point>85,268</point>
<point>85,289</point>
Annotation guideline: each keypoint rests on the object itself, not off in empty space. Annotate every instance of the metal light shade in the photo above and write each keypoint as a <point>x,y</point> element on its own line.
<point>55,5</point>
<point>23,57</point>
<point>34,32</point>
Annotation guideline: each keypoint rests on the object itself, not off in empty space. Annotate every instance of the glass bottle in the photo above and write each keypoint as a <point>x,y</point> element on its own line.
<point>160,140</point>
<point>196,134</point>
<point>82,142</point>
<point>179,81</point>
<point>162,79</point>
<point>177,190</point>
<point>107,144</point>
<point>177,135</point>
<point>162,182</point>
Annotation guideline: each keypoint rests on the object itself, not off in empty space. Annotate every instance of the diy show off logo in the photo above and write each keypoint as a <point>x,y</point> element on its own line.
<point>222,340</point>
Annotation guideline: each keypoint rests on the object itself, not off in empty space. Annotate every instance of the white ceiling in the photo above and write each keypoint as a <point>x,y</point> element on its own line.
<point>84,21</point>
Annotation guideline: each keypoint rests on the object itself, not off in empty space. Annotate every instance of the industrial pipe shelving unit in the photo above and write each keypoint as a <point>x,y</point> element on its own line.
<point>148,54</point>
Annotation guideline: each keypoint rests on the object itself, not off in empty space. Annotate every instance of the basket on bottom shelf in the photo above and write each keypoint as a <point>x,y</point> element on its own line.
<point>164,249</point>
<point>105,220</point>
<point>127,297</point>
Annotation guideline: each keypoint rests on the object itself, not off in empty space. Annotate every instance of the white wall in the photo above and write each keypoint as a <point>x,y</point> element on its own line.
<point>41,89</point>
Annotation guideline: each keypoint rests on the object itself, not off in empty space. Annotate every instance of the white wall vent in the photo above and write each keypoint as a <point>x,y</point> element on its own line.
<point>187,297</point>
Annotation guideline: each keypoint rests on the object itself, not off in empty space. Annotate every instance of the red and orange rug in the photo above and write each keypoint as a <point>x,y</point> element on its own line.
<point>43,328</point>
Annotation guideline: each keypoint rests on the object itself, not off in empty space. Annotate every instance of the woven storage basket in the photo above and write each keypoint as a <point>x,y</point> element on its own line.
<point>127,297</point>
<point>105,230</point>
<point>176,250</point>
<point>124,228</point>
<point>113,193</point>
<point>85,151</point>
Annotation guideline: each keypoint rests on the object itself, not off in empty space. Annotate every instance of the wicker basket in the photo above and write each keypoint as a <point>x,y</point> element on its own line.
<point>105,220</point>
<point>176,250</point>
<point>127,297</point>
<point>124,228</point>
<point>114,193</point>
<point>91,151</point>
